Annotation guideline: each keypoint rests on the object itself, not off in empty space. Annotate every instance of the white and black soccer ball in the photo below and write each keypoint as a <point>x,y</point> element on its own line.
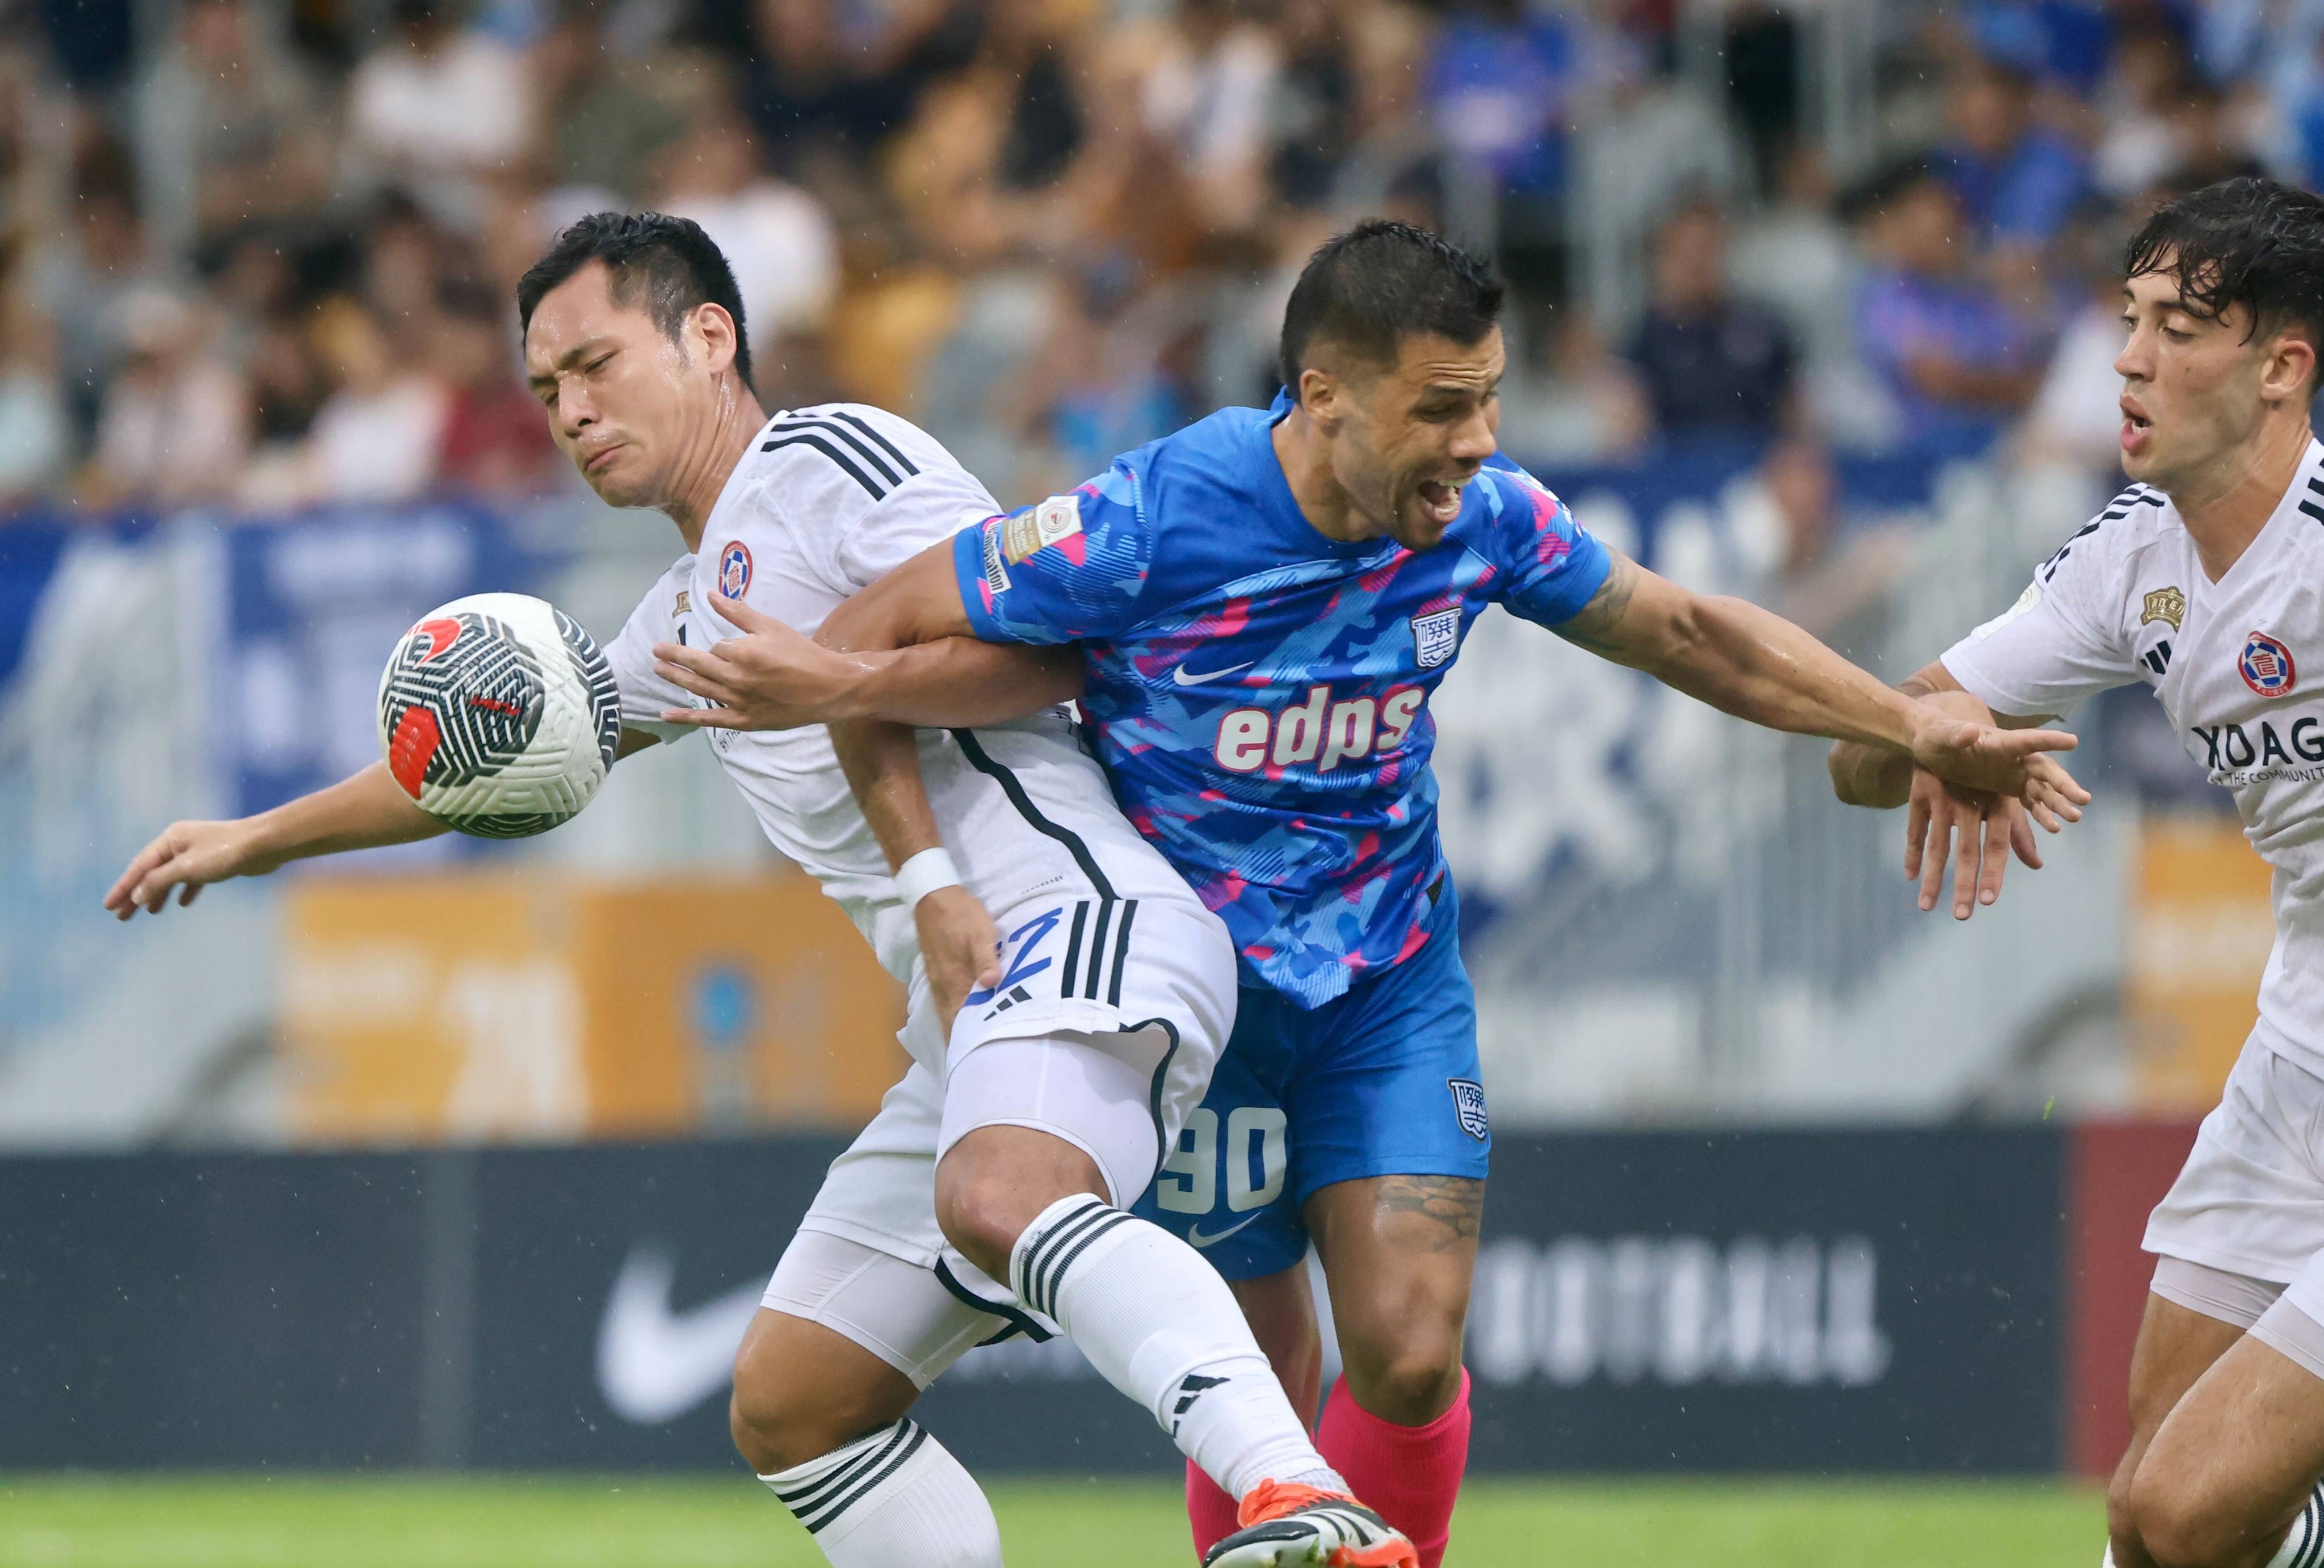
<point>499,715</point>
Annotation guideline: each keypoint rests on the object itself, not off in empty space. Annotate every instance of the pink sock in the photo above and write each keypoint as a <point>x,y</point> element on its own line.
<point>1209,1510</point>
<point>1408,1475</point>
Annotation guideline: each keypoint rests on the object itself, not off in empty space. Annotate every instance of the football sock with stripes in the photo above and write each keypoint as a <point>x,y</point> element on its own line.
<point>897,1498</point>
<point>1160,1324</point>
<point>2303,1543</point>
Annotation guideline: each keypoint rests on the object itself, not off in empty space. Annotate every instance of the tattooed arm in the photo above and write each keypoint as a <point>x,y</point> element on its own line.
<point>1752,663</point>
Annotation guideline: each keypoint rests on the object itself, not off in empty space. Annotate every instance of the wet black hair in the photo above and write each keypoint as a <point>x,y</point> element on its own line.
<point>2249,241</point>
<point>1365,290</point>
<point>668,263</point>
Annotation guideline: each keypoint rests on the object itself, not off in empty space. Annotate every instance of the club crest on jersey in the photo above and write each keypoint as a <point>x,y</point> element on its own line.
<point>1060,517</point>
<point>1469,1106</point>
<point>685,601</point>
<point>2164,604</point>
<point>1436,636</point>
<point>2266,665</point>
<point>734,569</point>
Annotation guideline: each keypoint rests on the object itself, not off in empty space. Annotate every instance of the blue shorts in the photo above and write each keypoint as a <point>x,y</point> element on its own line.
<point>1379,1081</point>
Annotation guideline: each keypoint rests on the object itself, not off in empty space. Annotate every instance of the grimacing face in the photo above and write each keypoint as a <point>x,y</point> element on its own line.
<point>625,400</point>
<point>1407,438</point>
<point>2194,388</point>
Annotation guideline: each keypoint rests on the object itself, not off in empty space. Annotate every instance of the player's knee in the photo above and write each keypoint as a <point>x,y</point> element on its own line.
<point>982,1211</point>
<point>1410,1380</point>
<point>2181,1524</point>
<point>779,1424</point>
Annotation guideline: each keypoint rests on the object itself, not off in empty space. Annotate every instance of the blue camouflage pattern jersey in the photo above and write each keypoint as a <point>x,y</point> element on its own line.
<point>1260,691</point>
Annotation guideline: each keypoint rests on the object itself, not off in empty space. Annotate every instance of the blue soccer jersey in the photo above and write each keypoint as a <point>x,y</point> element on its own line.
<point>1260,691</point>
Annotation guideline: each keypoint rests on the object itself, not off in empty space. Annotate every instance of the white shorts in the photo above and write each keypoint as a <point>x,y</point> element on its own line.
<point>1109,1046</point>
<point>2240,1234</point>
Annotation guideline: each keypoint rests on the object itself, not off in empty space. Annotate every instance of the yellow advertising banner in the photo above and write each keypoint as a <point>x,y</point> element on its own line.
<point>513,1005</point>
<point>2199,937</point>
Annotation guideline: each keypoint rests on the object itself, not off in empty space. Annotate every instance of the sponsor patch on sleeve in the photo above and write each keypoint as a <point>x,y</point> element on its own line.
<point>1060,517</point>
<point>996,575</point>
<point>2025,601</point>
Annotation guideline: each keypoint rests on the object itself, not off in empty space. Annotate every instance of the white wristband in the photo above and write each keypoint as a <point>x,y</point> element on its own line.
<point>923,874</point>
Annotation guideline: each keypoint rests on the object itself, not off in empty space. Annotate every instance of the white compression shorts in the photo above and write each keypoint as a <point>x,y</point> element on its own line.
<point>2240,1235</point>
<point>1113,1069</point>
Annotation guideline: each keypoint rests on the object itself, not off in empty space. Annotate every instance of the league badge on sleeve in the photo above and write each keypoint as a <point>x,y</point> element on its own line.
<point>1436,636</point>
<point>2266,665</point>
<point>1060,517</point>
<point>734,569</point>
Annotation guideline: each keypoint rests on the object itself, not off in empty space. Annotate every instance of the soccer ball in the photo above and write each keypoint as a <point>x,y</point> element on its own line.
<point>499,715</point>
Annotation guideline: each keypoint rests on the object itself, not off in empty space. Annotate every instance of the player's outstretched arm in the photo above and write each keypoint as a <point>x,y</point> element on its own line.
<point>899,651</point>
<point>363,811</point>
<point>366,810</point>
<point>1749,662</point>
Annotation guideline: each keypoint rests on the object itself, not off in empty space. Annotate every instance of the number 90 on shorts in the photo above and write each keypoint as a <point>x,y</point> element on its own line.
<point>1253,1158</point>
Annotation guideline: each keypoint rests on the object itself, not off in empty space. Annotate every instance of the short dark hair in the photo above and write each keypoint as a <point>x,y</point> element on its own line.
<point>669,261</point>
<point>1363,291</point>
<point>2248,241</point>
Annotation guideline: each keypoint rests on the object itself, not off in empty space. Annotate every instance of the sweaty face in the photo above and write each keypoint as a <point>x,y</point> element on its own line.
<point>1414,435</point>
<point>624,400</point>
<point>2191,385</point>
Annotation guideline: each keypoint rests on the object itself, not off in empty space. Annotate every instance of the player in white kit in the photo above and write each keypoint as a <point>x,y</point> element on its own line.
<point>2204,581</point>
<point>988,1197</point>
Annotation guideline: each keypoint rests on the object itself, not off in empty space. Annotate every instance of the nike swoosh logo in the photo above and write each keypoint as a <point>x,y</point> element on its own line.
<point>653,1364</point>
<point>1195,1237</point>
<point>1180,676</point>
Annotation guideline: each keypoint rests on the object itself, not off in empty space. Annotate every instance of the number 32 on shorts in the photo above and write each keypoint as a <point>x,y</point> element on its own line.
<point>1257,1152</point>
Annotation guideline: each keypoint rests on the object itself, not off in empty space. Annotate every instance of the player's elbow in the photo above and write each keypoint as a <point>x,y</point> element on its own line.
<point>863,624</point>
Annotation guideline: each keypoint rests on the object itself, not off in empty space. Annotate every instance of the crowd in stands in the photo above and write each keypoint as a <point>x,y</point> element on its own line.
<point>262,253</point>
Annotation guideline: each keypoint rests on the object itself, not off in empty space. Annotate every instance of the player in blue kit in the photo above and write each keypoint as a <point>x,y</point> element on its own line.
<point>1264,600</point>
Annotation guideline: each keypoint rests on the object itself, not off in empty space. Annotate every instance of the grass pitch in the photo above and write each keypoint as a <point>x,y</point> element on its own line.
<point>607,1522</point>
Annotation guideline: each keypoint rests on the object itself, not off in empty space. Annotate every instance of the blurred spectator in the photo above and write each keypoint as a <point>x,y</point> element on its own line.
<point>2075,418</point>
<point>2139,140</point>
<point>495,437</point>
<point>1315,114</point>
<point>1954,358</point>
<point>607,111</point>
<point>778,238</point>
<point>287,389</point>
<point>438,109</point>
<point>1500,85</point>
<point>378,434</point>
<point>230,133</point>
<point>2016,181</point>
<point>101,256</point>
<point>1709,362</point>
<point>175,427</point>
<point>1815,571</point>
<point>1581,406</point>
<point>823,81</point>
<point>1089,393</point>
<point>1208,97</point>
<point>34,439</point>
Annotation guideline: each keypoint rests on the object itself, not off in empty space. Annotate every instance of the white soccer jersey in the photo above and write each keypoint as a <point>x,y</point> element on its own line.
<point>828,500</point>
<point>2239,665</point>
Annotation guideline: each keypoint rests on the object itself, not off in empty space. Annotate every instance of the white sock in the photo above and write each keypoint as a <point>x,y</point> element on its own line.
<point>1160,1324</point>
<point>2303,1545</point>
<point>895,1499</point>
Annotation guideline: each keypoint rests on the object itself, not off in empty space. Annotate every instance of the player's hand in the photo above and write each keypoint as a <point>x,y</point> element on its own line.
<point>960,946</point>
<point>188,856</point>
<point>1991,827</point>
<point>1978,756</point>
<point>770,678</point>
